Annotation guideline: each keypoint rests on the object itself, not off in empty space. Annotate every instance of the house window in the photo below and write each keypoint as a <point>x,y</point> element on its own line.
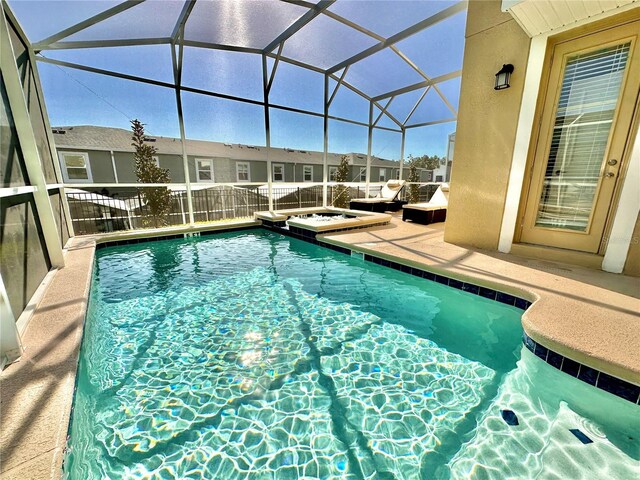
<point>242,172</point>
<point>397,174</point>
<point>333,173</point>
<point>156,160</point>
<point>76,167</point>
<point>439,178</point>
<point>363,174</point>
<point>204,169</point>
<point>307,173</point>
<point>278,172</point>
<point>383,175</point>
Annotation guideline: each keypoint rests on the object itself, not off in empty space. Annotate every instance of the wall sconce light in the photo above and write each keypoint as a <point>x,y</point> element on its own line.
<point>503,77</point>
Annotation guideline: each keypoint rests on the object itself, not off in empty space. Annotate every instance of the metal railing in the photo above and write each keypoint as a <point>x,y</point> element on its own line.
<point>102,210</point>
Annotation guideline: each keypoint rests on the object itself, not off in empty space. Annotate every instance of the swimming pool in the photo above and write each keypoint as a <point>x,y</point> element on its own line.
<point>253,355</point>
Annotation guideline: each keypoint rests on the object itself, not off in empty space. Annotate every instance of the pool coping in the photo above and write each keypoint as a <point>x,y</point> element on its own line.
<point>42,457</point>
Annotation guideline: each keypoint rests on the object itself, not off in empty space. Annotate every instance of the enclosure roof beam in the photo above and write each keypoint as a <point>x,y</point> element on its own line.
<point>313,12</point>
<point>199,91</point>
<point>182,19</point>
<point>418,86</point>
<point>129,42</point>
<point>275,67</point>
<point>415,107</point>
<point>436,122</point>
<point>335,90</point>
<point>300,3</point>
<point>406,33</point>
<point>383,111</point>
<point>87,23</point>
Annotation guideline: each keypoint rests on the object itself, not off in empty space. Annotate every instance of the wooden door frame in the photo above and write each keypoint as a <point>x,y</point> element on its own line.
<point>543,94</point>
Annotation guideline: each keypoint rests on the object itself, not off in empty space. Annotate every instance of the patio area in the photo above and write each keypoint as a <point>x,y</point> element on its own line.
<point>204,272</point>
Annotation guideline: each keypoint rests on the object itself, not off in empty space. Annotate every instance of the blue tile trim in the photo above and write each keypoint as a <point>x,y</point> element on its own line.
<point>598,379</point>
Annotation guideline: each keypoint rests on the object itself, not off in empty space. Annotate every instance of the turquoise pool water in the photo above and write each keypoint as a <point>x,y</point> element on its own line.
<point>253,355</point>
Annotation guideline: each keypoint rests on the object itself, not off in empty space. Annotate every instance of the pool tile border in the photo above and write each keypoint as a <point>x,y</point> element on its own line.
<point>596,378</point>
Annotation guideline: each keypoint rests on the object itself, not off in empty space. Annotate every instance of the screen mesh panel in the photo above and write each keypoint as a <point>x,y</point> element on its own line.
<point>150,19</point>
<point>381,73</point>
<point>438,49</point>
<point>231,73</point>
<point>126,60</point>
<point>384,17</point>
<point>244,23</point>
<point>431,109</point>
<point>325,42</point>
<point>297,87</point>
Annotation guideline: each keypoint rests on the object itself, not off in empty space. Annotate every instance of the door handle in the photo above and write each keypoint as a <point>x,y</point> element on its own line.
<point>612,162</point>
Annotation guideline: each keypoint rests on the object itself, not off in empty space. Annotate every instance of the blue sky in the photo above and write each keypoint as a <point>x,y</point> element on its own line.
<point>76,97</point>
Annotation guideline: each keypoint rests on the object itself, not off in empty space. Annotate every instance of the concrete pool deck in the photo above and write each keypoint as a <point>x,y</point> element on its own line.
<point>588,315</point>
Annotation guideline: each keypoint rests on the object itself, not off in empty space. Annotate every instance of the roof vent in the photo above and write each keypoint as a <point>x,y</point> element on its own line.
<point>149,139</point>
<point>289,150</point>
<point>58,131</point>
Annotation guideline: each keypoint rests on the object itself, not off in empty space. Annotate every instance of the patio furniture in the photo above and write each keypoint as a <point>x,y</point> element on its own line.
<point>434,211</point>
<point>386,200</point>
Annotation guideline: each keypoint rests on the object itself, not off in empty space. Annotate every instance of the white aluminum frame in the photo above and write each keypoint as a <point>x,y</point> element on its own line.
<point>65,173</point>
<point>280,165</point>
<point>304,167</point>
<point>248,180</point>
<point>211,169</point>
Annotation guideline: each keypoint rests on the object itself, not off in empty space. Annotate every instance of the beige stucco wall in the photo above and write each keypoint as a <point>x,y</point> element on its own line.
<point>632,265</point>
<point>486,129</point>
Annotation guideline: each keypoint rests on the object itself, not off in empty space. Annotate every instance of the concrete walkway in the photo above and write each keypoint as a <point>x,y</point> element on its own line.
<point>36,392</point>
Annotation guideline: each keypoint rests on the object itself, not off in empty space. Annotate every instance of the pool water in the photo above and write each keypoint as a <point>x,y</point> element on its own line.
<point>253,355</point>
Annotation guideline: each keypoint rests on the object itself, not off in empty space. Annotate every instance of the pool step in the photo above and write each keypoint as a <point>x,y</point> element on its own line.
<point>549,441</point>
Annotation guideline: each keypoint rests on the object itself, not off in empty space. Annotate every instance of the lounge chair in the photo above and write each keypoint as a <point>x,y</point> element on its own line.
<point>386,200</point>
<point>432,212</point>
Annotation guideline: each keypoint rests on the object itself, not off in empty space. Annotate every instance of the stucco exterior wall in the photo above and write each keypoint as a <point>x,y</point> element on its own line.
<point>632,265</point>
<point>486,127</point>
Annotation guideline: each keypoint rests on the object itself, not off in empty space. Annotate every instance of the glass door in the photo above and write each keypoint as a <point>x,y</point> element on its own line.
<point>585,124</point>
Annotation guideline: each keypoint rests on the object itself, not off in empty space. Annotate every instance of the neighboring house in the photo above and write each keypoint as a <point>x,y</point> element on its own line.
<point>443,172</point>
<point>103,155</point>
<point>549,166</point>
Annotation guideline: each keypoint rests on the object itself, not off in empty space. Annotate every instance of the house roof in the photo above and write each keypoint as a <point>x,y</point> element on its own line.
<point>89,137</point>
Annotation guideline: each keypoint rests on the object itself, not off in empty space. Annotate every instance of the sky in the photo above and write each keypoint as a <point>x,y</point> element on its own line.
<point>76,97</point>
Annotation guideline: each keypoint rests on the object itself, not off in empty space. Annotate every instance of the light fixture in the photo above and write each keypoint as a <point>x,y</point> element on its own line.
<point>503,77</point>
